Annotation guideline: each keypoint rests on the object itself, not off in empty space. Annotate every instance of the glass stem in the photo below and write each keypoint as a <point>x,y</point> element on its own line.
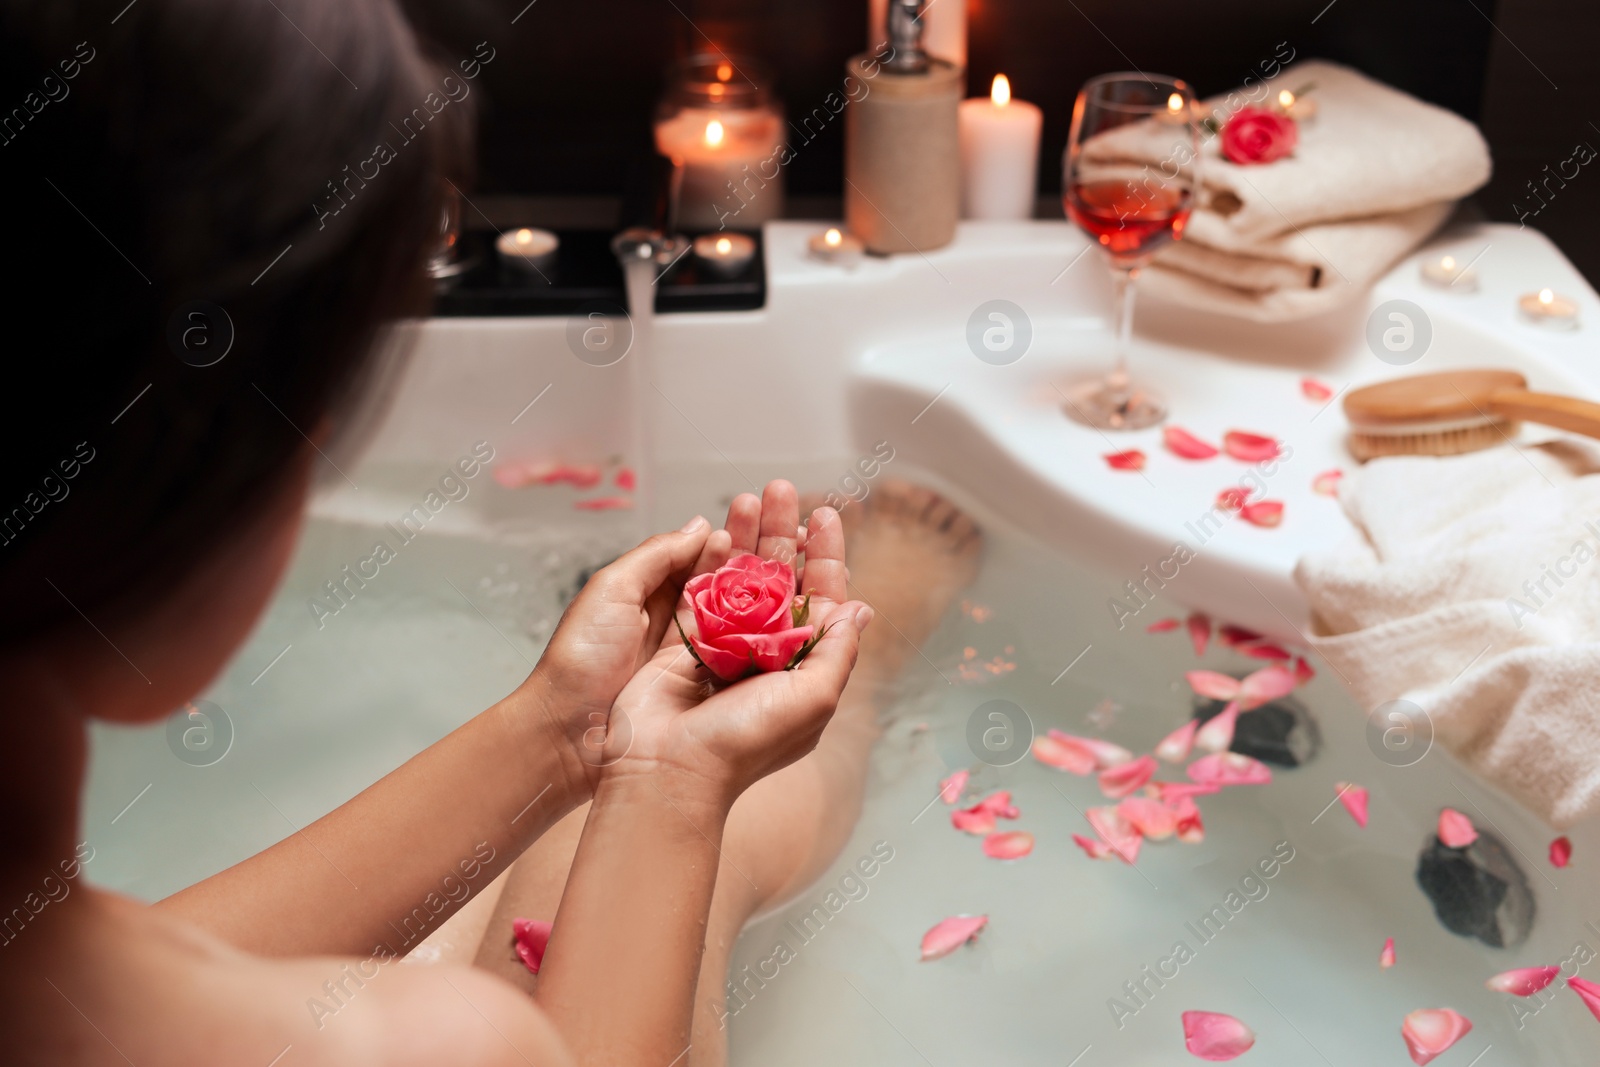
<point>1122,279</point>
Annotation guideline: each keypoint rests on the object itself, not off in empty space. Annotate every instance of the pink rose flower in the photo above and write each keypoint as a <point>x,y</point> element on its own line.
<point>746,618</point>
<point>1256,135</point>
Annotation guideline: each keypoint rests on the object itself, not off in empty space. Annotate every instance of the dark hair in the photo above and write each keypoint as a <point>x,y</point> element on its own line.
<point>182,156</point>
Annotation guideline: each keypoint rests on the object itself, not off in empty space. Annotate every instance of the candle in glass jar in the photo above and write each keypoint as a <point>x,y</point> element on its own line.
<point>1548,309</point>
<point>731,165</point>
<point>999,154</point>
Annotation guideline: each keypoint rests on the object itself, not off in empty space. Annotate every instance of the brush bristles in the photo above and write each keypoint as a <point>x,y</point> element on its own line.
<point>1451,442</point>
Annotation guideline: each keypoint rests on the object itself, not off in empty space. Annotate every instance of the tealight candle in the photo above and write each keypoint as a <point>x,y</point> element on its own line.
<point>1548,309</point>
<point>528,249</point>
<point>1177,112</point>
<point>1299,108</point>
<point>724,254</point>
<point>837,247</point>
<point>1446,273</point>
<point>999,154</point>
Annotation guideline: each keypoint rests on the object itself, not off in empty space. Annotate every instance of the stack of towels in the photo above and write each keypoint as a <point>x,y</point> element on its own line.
<point>1374,174</point>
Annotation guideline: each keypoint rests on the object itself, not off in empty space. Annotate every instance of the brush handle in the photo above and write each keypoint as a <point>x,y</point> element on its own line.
<point>1563,412</point>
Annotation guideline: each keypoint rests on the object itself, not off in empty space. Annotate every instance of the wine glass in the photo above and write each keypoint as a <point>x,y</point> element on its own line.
<point>1130,177</point>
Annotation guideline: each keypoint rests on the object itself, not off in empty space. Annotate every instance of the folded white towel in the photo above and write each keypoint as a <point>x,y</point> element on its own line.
<point>1472,589</point>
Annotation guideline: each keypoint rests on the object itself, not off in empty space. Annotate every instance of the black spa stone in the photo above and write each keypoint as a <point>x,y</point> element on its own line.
<point>1281,733</point>
<point>1477,891</point>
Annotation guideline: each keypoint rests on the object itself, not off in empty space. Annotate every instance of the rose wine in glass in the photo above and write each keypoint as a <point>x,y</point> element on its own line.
<point>1130,176</point>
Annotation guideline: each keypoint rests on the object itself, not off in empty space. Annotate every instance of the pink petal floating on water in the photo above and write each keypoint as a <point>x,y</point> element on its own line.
<point>1161,626</point>
<point>973,820</point>
<point>531,937</point>
<point>1354,799</point>
<point>1250,447</point>
<point>517,475</point>
<point>1212,684</point>
<point>1063,755</point>
<point>1105,753</point>
<point>1266,685</point>
<point>951,934</point>
<point>1327,483</point>
<point>604,503</point>
<point>1131,460</point>
<point>1216,1037</point>
<point>1430,1031</point>
<point>1315,390</point>
<point>626,480</point>
<point>1524,981</point>
<point>1386,957</point>
<point>1229,768</point>
<point>1175,747</point>
<point>1185,444</point>
<point>1093,847</point>
<point>1153,819</point>
<point>1116,831</point>
<point>1588,992</point>
<point>1012,845</point>
<point>1233,498</point>
<point>1234,636</point>
<point>1302,670</point>
<point>1263,513</point>
<point>1190,830</point>
<point>950,789</point>
<point>999,803</point>
<point>1126,778</point>
<point>1455,829</point>
<point>1263,650</point>
<point>1171,792</point>
<point>1199,625</point>
<point>1560,852</point>
<point>1217,734</point>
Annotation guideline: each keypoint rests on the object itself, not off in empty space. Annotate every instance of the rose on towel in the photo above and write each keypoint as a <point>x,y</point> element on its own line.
<point>748,619</point>
<point>1256,135</point>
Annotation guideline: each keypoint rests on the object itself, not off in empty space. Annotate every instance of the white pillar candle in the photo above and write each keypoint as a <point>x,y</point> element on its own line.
<point>999,154</point>
<point>944,29</point>
<point>732,165</point>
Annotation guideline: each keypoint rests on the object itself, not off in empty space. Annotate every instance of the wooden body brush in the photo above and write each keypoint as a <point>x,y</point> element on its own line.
<point>1455,411</point>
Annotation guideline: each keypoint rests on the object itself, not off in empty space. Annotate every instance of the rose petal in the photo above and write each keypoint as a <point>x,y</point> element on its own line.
<point>1588,992</point>
<point>1263,513</point>
<point>1172,792</point>
<point>1106,754</point>
<point>1354,799</point>
<point>1161,626</point>
<point>1229,768</point>
<point>1263,650</point>
<point>950,934</point>
<point>1191,831</point>
<point>1175,747</point>
<point>1199,625</point>
<point>1327,483</point>
<point>950,789</point>
<point>627,480</point>
<point>1386,957</point>
<point>1153,819</point>
<point>999,804</point>
<point>1315,390</point>
<point>1560,852</point>
<point>1126,778</point>
<point>1131,460</point>
<point>1302,670</point>
<point>1008,846</point>
<point>1250,447</point>
<point>1234,636</point>
<point>604,503</point>
<point>974,820</point>
<point>1266,685</point>
<point>1233,499</point>
<point>1185,444</point>
<point>1430,1031</point>
<point>1455,829</point>
<point>1094,848</point>
<point>1063,755</point>
<point>531,936</point>
<point>1214,1036</point>
<point>1217,734</point>
<point>1116,831</point>
<point>1524,981</point>
<point>1212,684</point>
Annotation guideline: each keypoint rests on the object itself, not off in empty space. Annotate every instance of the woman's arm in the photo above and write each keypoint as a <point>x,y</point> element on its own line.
<point>377,874</point>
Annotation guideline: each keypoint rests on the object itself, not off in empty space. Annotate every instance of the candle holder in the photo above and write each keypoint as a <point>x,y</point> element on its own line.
<point>720,126</point>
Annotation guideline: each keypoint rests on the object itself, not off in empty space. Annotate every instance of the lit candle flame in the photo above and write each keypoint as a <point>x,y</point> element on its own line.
<point>1286,100</point>
<point>524,237</point>
<point>724,72</point>
<point>1000,91</point>
<point>714,133</point>
<point>1448,263</point>
<point>724,246</point>
<point>1175,103</point>
<point>1547,297</point>
<point>833,237</point>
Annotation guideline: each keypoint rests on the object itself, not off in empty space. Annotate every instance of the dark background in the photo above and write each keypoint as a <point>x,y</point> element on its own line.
<point>566,105</point>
